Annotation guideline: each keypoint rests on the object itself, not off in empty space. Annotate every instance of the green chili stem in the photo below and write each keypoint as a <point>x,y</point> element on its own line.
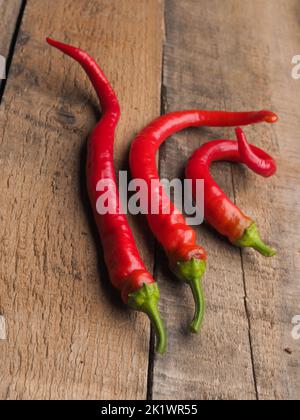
<point>191,272</point>
<point>146,300</point>
<point>199,305</point>
<point>251,238</point>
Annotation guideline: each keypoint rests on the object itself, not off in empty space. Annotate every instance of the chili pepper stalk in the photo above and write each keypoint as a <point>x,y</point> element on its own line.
<point>145,300</point>
<point>191,272</point>
<point>251,239</point>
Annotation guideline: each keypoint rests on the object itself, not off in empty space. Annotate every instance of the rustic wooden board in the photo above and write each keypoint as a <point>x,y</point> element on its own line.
<point>63,331</point>
<point>272,286</point>
<point>68,335</point>
<point>9,16</point>
<point>236,55</point>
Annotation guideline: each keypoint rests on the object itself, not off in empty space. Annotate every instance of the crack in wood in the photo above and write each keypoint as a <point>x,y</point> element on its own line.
<point>246,297</point>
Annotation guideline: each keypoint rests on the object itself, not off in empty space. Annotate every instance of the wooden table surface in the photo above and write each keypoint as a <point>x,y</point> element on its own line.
<point>64,333</point>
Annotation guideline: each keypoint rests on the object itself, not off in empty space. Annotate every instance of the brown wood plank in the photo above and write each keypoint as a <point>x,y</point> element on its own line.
<point>272,285</point>
<point>68,335</point>
<point>9,16</point>
<point>236,55</point>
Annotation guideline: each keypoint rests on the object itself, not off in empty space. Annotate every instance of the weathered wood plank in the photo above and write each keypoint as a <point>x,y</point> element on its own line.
<point>217,363</point>
<point>272,286</point>
<point>236,55</point>
<point>67,334</point>
<point>9,16</point>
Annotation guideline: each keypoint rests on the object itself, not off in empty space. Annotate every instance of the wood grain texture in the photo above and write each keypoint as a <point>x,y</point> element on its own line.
<point>272,286</point>
<point>236,55</point>
<point>9,16</point>
<point>69,337</point>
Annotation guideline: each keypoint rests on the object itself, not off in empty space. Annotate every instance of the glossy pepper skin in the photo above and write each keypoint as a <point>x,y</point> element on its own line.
<point>219,210</point>
<point>126,269</point>
<point>186,258</point>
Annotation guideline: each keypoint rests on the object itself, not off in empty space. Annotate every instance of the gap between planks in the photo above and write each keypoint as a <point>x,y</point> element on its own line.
<point>151,361</point>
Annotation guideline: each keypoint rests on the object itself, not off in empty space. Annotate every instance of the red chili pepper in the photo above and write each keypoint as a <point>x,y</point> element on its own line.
<point>256,159</point>
<point>126,268</point>
<point>186,258</point>
<point>219,211</point>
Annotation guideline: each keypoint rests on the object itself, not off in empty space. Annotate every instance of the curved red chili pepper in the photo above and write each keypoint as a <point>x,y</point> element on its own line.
<point>256,159</point>
<point>219,210</point>
<point>186,258</point>
<point>126,268</point>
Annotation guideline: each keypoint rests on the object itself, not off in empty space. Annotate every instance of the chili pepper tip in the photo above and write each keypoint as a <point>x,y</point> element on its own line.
<point>256,160</point>
<point>145,300</point>
<point>270,117</point>
<point>50,41</point>
<point>67,49</point>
